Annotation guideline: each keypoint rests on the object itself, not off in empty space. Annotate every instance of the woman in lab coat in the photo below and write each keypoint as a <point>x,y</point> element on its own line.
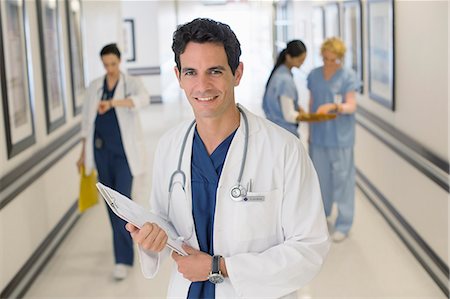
<point>265,243</point>
<point>113,142</point>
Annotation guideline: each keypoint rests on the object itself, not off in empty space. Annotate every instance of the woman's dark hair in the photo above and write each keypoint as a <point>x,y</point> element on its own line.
<point>294,48</point>
<point>110,49</point>
<point>202,30</point>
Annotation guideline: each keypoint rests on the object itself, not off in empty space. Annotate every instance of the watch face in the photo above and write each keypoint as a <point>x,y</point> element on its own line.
<point>215,278</point>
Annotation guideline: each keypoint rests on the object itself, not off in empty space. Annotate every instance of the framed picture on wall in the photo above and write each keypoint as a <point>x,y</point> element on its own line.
<point>73,9</point>
<point>52,63</point>
<point>16,77</point>
<point>129,50</point>
<point>380,22</point>
<point>352,36</point>
<point>318,33</point>
<point>332,23</point>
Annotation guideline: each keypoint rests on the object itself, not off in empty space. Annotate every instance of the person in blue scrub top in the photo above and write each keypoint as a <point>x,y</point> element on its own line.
<point>113,142</point>
<point>333,90</point>
<point>280,101</point>
<point>240,191</point>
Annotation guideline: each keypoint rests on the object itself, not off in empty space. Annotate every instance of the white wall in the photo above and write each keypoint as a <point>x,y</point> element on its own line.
<point>421,37</point>
<point>422,105</point>
<point>421,80</point>
<point>145,16</point>
<point>102,26</point>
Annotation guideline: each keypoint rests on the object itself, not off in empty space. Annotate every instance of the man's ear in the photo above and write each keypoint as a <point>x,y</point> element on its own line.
<point>177,74</point>
<point>238,74</point>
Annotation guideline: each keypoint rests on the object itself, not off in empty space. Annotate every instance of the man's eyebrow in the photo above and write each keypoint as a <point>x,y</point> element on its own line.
<point>187,69</point>
<point>217,67</point>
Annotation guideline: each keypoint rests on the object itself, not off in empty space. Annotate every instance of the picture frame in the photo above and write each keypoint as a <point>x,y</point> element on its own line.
<point>75,39</point>
<point>352,37</point>
<point>318,34</point>
<point>16,81</point>
<point>129,50</point>
<point>332,20</point>
<point>49,23</point>
<point>381,52</point>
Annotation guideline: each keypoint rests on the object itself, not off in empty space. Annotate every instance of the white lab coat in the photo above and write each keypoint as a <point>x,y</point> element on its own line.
<point>271,248</point>
<point>128,119</point>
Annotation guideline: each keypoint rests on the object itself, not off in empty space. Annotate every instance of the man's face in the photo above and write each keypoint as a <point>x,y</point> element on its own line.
<point>207,79</point>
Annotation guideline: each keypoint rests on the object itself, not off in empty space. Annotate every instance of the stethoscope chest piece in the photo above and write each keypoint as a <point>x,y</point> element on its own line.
<point>238,193</point>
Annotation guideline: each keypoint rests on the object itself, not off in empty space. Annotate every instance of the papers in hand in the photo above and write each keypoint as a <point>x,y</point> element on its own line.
<point>135,214</point>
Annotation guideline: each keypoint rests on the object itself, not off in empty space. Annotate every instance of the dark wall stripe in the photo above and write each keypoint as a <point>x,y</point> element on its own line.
<point>144,71</point>
<point>18,278</point>
<point>410,230</point>
<point>443,184</point>
<point>406,140</point>
<point>19,171</point>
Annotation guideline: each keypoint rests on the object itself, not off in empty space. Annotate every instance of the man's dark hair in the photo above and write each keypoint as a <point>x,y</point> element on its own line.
<point>202,30</point>
<point>110,49</point>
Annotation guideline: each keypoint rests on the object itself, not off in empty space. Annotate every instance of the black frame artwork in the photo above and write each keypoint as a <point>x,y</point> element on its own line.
<point>352,37</point>
<point>75,39</point>
<point>52,63</point>
<point>380,28</point>
<point>16,77</point>
<point>129,40</point>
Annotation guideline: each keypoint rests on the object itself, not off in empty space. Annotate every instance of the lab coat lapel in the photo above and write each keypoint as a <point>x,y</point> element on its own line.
<point>233,161</point>
<point>119,93</point>
<point>186,167</point>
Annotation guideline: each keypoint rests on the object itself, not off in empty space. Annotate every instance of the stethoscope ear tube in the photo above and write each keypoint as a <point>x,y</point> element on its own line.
<point>237,192</point>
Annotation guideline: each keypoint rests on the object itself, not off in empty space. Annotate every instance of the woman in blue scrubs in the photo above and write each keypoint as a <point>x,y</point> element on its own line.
<point>112,140</point>
<point>280,102</point>
<point>332,89</point>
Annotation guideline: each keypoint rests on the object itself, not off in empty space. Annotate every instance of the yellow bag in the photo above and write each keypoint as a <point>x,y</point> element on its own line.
<point>88,191</point>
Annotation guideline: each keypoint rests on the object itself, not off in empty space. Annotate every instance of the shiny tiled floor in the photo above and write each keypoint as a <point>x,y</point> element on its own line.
<point>371,263</point>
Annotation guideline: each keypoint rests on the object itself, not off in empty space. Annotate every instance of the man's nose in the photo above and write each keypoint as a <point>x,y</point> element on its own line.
<point>203,82</point>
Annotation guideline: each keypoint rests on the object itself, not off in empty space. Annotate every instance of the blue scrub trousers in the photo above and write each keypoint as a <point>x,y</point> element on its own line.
<point>114,172</point>
<point>336,170</point>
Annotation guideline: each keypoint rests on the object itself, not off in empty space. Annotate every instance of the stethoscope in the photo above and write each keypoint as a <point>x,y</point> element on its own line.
<point>101,90</point>
<point>238,192</point>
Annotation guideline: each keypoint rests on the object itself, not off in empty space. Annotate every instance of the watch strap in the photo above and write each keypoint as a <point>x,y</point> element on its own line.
<point>216,264</point>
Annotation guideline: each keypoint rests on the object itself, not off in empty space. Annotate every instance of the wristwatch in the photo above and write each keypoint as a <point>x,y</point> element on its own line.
<point>215,276</point>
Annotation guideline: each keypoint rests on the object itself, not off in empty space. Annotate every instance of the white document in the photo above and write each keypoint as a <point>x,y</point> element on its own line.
<point>137,215</point>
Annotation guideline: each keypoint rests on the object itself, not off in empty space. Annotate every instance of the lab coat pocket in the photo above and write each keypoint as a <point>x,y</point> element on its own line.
<point>259,217</point>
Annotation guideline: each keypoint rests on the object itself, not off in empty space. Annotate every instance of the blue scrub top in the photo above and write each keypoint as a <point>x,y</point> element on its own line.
<point>107,126</point>
<point>339,132</point>
<point>205,176</point>
<point>281,84</point>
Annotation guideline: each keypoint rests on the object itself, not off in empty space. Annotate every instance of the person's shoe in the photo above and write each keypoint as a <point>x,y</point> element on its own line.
<point>329,224</point>
<point>120,271</point>
<point>338,236</point>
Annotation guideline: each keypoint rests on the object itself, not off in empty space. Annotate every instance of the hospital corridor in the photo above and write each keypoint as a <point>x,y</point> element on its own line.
<point>398,244</point>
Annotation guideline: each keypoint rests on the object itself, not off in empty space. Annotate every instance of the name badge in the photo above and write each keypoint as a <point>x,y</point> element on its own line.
<point>338,98</point>
<point>251,196</point>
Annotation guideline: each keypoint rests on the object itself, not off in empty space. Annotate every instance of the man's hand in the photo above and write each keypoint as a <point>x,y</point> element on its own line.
<point>194,267</point>
<point>150,237</point>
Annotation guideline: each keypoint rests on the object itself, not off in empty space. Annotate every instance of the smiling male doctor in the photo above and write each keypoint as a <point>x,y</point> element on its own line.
<point>245,196</point>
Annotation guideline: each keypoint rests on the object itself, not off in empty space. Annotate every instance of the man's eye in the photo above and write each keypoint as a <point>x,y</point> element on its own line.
<point>216,72</point>
<point>189,73</point>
